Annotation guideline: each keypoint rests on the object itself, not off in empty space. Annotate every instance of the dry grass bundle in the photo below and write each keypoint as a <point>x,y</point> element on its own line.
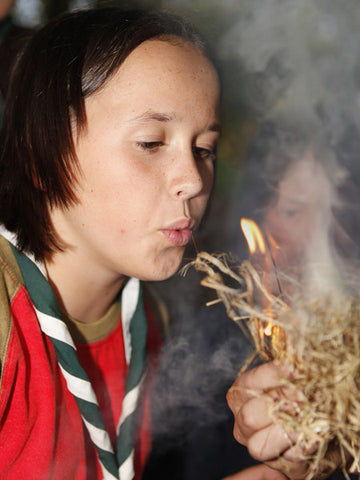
<point>319,342</point>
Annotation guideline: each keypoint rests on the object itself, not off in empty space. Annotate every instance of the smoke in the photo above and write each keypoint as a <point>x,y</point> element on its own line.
<point>198,365</point>
<point>299,64</point>
<point>299,58</point>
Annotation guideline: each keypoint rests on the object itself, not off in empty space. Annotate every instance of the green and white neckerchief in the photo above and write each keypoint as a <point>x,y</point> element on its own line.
<point>119,465</point>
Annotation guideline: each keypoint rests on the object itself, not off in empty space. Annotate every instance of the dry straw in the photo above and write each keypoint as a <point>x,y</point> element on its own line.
<point>318,341</point>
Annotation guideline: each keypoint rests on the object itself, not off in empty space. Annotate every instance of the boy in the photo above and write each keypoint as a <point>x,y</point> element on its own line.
<point>107,161</point>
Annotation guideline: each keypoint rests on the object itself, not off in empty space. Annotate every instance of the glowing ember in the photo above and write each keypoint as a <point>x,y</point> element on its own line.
<point>268,329</point>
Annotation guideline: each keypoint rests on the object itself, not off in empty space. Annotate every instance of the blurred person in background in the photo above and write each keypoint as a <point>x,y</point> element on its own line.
<point>305,194</point>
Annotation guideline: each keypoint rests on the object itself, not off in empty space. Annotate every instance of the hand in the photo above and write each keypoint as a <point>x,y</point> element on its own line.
<point>260,472</point>
<point>267,441</point>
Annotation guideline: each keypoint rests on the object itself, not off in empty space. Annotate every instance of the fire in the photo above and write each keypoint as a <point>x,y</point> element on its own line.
<point>253,235</point>
<point>256,242</point>
<point>268,329</point>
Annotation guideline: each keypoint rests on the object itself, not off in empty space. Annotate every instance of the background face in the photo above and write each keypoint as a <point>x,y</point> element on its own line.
<point>300,211</point>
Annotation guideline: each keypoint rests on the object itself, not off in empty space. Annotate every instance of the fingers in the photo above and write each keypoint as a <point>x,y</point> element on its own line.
<point>259,472</point>
<point>268,443</point>
<point>249,405</point>
<point>296,470</point>
<point>259,379</point>
<point>292,463</point>
<point>251,416</point>
<point>263,377</point>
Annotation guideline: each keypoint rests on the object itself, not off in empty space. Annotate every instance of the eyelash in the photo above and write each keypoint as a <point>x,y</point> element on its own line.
<point>149,146</point>
<point>200,153</point>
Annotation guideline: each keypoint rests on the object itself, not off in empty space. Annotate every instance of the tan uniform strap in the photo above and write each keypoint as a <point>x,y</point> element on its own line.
<point>10,282</point>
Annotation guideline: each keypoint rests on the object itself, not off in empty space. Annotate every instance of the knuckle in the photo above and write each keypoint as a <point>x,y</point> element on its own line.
<point>255,450</point>
<point>230,398</point>
<point>239,437</point>
<point>247,417</point>
<point>234,398</point>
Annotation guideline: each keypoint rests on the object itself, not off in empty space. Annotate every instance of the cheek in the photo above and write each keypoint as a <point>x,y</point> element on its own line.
<point>110,188</point>
<point>207,173</point>
<point>207,176</point>
<point>200,203</point>
<point>277,225</point>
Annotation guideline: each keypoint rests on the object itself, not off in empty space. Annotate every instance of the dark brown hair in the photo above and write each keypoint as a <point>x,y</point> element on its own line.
<point>65,62</point>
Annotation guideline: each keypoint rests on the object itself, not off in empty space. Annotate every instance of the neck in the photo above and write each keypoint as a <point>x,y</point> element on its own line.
<point>82,293</point>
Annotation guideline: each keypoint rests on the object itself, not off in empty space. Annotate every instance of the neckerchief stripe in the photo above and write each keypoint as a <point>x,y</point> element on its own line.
<point>41,293</point>
<point>126,427</point>
<point>99,437</point>
<point>108,475</point>
<point>82,389</point>
<point>129,403</point>
<point>89,413</point>
<point>126,469</point>
<point>67,363</point>
<point>55,328</point>
<point>131,293</point>
<point>138,325</point>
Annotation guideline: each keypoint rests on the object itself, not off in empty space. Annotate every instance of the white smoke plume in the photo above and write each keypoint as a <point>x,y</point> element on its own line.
<point>301,57</point>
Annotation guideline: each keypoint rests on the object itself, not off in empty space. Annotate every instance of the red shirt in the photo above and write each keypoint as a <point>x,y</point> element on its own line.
<point>42,435</point>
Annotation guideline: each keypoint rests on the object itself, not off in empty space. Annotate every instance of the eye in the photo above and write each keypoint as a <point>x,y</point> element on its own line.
<point>149,146</point>
<point>201,153</point>
<point>290,211</point>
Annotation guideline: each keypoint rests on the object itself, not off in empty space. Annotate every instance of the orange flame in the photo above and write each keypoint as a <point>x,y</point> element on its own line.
<point>256,242</point>
<point>253,235</point>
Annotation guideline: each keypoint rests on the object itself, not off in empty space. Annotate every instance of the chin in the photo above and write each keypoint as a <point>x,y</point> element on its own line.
<point>163,270</point>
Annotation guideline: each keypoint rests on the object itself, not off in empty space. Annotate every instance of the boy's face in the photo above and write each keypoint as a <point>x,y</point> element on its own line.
<point>146,160</point>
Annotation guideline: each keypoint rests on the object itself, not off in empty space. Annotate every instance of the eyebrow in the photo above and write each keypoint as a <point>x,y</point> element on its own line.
<point>167,117</point>
<point>157,116</point>
<point>215,127</point>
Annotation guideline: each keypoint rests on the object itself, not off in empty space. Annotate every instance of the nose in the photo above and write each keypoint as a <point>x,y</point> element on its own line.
<point>189,177</point>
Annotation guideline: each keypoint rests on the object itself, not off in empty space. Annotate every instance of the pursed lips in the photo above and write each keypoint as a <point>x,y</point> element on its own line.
<point>179,233</point>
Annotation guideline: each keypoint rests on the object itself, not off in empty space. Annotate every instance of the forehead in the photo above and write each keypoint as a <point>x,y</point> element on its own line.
<point>162,72</point>
<point>171,53</point>
<point>305,180</point>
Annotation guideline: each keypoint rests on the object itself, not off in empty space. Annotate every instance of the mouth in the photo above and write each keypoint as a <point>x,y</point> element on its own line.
<point>179,233</point>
